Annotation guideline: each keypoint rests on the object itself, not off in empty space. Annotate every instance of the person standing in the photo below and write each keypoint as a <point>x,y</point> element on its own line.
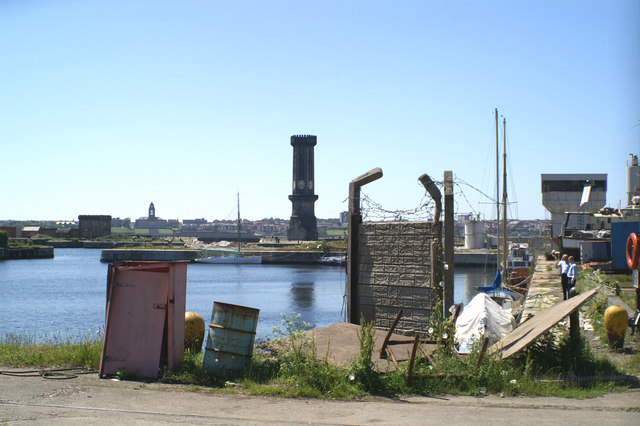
<point>564,267</point>
<point>571,275</point>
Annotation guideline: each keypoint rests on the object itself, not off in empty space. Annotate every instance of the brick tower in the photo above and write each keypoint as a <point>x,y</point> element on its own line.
<point>302,225</point>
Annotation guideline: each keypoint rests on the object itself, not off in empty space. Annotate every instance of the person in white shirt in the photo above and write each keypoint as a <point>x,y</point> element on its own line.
<point>564,266</point>
<point>571,274</point>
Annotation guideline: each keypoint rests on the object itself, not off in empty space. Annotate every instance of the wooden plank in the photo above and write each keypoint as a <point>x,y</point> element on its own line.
<point>528,332</point>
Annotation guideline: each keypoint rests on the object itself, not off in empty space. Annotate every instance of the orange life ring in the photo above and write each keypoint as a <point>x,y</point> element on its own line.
<point>633,251</point>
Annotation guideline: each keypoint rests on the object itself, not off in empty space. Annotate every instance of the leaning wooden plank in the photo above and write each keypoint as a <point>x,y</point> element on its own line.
<point>528,332</point>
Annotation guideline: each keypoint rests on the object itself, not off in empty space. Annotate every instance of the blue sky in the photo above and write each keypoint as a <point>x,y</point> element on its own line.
<point>106,106</point>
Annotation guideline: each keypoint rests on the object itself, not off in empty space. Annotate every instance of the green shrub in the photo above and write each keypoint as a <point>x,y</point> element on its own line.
<point>4,239</point>
<point>561,357</point>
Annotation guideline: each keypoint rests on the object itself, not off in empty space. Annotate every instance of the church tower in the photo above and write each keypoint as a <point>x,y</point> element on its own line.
<point>303,225</point>
<point>152,211</point>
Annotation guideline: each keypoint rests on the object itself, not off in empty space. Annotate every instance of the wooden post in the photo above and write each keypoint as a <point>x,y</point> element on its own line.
<point>433,190</point>
<point>574,319</point>
<point>355,219</point>
<point>383,349</point>
<point>416,342</point>
<point>448,240</point>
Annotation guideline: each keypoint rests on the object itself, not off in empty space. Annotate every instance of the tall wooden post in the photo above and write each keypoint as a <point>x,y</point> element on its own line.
<point>574,320</point>
<point>355,219</point>
<point>436,249</point>
<point>448,240</point>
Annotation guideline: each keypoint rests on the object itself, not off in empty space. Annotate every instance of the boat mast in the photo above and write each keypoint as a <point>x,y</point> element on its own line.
<point>239,223</point>
<point>504,200</point>
<point>497,196</point>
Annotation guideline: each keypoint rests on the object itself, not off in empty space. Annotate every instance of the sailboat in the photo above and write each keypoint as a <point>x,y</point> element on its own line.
<point>233,257</point>
<point>511,283</point>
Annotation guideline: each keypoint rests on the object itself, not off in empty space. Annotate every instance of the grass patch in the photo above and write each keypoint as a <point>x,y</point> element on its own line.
<point>18,351</point>
<point>595,308</point>
<point>292,368</point>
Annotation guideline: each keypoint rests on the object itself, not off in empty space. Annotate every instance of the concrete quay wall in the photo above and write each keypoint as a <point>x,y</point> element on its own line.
<point>90,244</point>
<point>474,257</point>
<point>26,253</point>
<point>268,257</point>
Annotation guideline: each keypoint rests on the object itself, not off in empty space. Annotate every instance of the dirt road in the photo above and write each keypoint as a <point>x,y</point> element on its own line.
<point>90,400</point>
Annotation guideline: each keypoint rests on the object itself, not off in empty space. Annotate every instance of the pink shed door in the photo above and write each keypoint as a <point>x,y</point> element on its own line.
<point>175,315</point>
<point>135,322</point>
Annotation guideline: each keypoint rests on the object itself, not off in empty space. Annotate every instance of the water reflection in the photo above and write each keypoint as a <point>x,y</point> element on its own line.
<point>302,295</point>
<point>467,279</point>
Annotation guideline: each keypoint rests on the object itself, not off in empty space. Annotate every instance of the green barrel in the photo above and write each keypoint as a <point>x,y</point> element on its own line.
<point>232,333</point>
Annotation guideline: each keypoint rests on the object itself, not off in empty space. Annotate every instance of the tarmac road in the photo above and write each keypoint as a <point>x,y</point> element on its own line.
<point>90,400</point>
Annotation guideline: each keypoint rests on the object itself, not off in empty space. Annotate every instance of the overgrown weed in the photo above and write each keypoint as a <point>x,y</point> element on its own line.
<point>19,350</point>
<point>292,367</point>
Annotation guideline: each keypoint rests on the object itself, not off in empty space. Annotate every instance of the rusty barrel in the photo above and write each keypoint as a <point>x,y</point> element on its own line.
<point>231,336</point>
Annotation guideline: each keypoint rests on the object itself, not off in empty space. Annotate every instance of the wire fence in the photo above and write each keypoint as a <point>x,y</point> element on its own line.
<point>373,211</point>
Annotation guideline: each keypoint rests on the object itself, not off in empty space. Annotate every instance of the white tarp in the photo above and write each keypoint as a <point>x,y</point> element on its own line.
<point>482,317</point>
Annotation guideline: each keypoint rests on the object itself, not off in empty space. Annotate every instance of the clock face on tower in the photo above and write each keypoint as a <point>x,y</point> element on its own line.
<point>300,184</point>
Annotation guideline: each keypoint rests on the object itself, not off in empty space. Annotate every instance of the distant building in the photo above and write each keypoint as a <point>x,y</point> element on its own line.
<point>228,227</point>
<point>562,193</point>
<point>68,233</point>
<point>151,221</point>
<point>117,222</point>
<point>10,230</point>
<point>52,232</point>
<point>29,231</point>
<point>267,228</point>
<point>344,218</point>
<point>94,226</point>
<point>196,222</point>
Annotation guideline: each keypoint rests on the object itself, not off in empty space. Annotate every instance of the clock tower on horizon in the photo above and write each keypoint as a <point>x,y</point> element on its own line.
<point>303,224</point>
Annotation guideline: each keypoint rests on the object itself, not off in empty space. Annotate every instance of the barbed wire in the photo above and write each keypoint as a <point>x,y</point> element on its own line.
<point>374,211</point>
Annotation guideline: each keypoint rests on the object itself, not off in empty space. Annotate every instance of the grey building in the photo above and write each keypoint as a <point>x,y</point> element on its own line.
<point>94,226</point>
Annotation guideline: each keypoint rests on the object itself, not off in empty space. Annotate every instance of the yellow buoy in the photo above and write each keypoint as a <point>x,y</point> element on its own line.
<point>193,331</point>
<point>616,321</point>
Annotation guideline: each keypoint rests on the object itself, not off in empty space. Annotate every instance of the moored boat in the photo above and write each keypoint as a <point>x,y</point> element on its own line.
<point>333,260</point>
<point>511,284</point>
<point>519,263</point>
<point>231,259</point>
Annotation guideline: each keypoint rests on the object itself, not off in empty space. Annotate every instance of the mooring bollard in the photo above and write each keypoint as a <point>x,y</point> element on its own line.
<point>615,322</point>
<point>193,331</point>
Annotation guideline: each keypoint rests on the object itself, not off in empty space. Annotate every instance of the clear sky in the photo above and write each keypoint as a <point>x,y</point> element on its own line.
<point>106,106</point>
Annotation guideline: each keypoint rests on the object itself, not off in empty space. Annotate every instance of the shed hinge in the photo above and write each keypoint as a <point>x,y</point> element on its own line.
<point>159,306</point>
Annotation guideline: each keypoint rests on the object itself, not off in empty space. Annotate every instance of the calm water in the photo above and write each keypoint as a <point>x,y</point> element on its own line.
<point>67,294</point>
